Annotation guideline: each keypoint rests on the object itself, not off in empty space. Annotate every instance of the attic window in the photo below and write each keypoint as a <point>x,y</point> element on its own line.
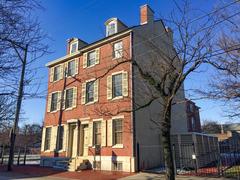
<point>74,47</point>
<point>111,28</point>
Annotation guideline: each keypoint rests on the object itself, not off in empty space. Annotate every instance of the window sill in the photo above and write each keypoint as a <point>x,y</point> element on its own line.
<point>69,109</point>
<point>89,103</point>
<point>118,146</point>
<point>54,111</point>
<point>87,67</point>
<point>117,98</point>
<point>56,80</point>
<point>116,58</point>
<point>47,151</point>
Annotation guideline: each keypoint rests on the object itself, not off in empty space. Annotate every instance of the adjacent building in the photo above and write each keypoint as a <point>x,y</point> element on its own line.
<point>93,93</point>
<point>193,116</point>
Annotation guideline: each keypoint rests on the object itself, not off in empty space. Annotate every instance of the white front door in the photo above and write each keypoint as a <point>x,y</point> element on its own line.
<point>85,140</point>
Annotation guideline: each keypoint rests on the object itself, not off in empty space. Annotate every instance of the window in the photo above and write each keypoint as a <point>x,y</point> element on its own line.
<point>193,123</point>
<point>47,139</point>
<point>97,133</point>
<point>117,50</point>
<point>117,85</point>
<point>71,68</point>
<point>61,135</point>
<point>91,58</point>
<point>57,73</point>
<point>117,166</point>
<point>97,165</point>
<point>117,131</point>
<point>54,101</point>
<point>73,47</point>
<point>69,98</point>
<point>90,91</point>
<point>111,28</point>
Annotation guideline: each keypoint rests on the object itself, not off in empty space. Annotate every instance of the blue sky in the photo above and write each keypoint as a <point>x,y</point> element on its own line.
<point>85,19</point>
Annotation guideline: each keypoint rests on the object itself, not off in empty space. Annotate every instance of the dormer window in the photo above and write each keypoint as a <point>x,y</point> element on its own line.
<point>73,47</point>
<point>111,28</point>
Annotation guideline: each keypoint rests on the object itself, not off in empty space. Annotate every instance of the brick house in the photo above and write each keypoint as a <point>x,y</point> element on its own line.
<point>90,119</point>
<point>194,124</point>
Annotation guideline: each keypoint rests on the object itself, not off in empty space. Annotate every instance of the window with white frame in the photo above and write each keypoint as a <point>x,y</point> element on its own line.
<point>89,91</point>
<point>71,71</point>
<point>61,135</point>
<point>97,133</point>
<point>111,28</point>
<point>47,138</point>
<point>74,47</point>
<point>117,166</point>
<point>91,58</point>
<point>117,131</point>
<point>57,73</point>
<point>117,85</point>
<point>54,101</point>
<point>69,98</point>
<point>118,49</point>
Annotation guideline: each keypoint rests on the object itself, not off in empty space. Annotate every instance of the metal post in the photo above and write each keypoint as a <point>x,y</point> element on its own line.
<point>174,159</point>
<point>3,149</point>
<point>25,155</point>
<point>18,158</point>
<point>194,158</point>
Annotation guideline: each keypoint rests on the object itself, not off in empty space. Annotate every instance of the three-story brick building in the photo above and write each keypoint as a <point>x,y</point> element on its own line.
<point>93,93</point>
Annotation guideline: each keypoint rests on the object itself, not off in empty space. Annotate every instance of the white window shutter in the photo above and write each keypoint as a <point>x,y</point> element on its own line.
<point>109,87</point>
<point>59,100</point>
<point>83,99</point>
<point>64,99</point>
<point>96,90</point>
<point>74,96</point>
<point>65,137</point>
<point>97,53</point>
<point>51,74</point>
<point>76,65</point>
<point>109,133</point>
<point>84,60</point>
<point>125,83</point>
<point>61,71</point>
<point>103,133</point>
<point>90,133</point>
<point>49,102</point>
<point>43,138</point>
<point>53,138</point>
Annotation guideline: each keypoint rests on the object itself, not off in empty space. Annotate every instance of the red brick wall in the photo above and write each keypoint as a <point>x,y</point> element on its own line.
<point>193,114</point>
<point>84,111</point>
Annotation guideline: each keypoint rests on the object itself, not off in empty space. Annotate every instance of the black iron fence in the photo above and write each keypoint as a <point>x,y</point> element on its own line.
<point>199,159</point>
<point>22,155</point>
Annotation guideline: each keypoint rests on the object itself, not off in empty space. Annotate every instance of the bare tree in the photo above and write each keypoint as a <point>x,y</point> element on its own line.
<point>225,85</point>
<point>21,41</point>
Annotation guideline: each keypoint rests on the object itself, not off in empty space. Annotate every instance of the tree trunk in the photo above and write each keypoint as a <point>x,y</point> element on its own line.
<point>167,150</point>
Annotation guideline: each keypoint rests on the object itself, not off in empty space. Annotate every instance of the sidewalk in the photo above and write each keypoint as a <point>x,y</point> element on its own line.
<point>154,176</point>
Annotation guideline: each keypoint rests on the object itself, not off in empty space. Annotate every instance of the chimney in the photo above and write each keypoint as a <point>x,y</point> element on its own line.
<point>146,14</point>
<point>170,34</point>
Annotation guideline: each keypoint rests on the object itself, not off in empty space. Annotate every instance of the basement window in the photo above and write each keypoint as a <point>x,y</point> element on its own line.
<point>117,166</point>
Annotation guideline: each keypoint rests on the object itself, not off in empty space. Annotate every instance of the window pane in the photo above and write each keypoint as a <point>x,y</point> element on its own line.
<point>117,85</point>
<point>54,101</point>
<point>74,48</point>
<point>117,50</point>
<point>61,135</point>
<point>69,98</point>
<point>97,133</point>
<point>117,128</point>
<point>111,28</point>
<point>47,139</point>
<point>91,58</point>
<point>56,75</point>
<point>89,91</point>
<point>71,68</point>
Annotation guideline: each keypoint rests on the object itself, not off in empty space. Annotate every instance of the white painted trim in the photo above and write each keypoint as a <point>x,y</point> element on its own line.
<point>94,45</point>
<point>118,117</point>
<point>100,119</point>
<point>74,42</point>
<point>118,146</point>
<point>72,121</point>
<point>84,119</point>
